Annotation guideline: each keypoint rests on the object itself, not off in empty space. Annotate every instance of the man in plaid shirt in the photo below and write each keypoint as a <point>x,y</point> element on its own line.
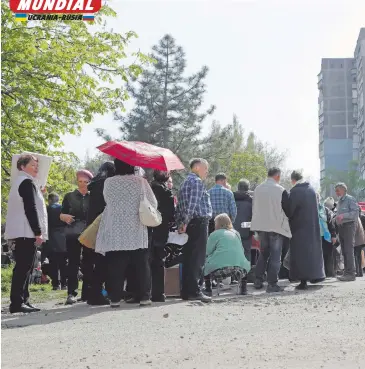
<point>193,214</point>
<point>222,200</point>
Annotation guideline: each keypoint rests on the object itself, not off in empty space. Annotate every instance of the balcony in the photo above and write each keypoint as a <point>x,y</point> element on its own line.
<point>320,81</point>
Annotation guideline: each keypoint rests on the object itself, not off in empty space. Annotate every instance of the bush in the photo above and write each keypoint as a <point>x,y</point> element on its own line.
<point>6,274</point>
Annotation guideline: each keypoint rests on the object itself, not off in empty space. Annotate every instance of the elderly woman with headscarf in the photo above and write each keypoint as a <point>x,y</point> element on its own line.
<point>328,236</point>
<point>97,266</point>
<point>26,223</point>
<point>122,237</point>
<point>75,206</point>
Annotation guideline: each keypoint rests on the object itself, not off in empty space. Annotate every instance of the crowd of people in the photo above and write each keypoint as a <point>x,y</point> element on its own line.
<point>128,262</point>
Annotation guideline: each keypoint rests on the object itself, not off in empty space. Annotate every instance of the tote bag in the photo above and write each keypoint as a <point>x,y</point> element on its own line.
<point>148,214</point>
<point>88,236</point>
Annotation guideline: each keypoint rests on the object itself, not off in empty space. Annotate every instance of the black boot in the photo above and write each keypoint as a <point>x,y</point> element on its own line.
<point>243,289</point>
<point>302,286</point>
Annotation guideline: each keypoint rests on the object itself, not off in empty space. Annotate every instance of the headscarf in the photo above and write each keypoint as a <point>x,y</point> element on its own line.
<point>84,173</point>
<point>325,233</point>
<point>106,170</point>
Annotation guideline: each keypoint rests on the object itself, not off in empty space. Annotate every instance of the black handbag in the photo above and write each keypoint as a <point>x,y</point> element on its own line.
<point>74,229</point>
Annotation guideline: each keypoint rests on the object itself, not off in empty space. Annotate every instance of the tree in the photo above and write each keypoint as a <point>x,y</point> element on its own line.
<point>167,104</point>
<point>55,77</point>
<point>249,165</point>
<point>355,184</point>
<point>93,163</point>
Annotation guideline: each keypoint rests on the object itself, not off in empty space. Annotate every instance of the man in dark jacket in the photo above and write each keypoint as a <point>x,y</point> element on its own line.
<point>56,245</point>
<point>242,222</point>
<point>160,234</point>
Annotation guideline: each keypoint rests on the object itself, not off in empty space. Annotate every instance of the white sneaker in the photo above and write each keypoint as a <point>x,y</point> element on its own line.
<point>145,303</point>
<point>71,300</point>
<point>115,305</point>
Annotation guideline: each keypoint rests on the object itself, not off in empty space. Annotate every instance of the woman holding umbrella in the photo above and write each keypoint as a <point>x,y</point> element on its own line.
<point>122,237</point>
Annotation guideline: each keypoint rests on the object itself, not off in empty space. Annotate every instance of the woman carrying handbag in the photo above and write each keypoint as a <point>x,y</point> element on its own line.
<point>131,206</point>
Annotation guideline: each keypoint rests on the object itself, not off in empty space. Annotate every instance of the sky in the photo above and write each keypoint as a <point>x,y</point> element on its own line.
<point>263,58</point>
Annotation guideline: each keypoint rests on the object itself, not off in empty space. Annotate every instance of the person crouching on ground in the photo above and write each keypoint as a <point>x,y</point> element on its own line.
<point>27,224</point>
<point>225,254</point>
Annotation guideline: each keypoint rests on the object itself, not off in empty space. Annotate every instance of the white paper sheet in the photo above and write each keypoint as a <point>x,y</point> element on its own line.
<point>44,165</point>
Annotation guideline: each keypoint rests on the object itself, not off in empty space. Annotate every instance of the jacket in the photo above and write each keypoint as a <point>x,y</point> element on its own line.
<point>267,212</point>
<point>96,200</point>
<point>56,230</point>
<point>76,204</point>
<point>349,208</point>
<point>224,249</point>
<point>166,207</point>
<point>244,214</point>
<point>360,234</point>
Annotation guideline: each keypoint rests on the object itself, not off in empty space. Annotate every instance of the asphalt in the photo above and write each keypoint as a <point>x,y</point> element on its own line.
<point>323,327</point>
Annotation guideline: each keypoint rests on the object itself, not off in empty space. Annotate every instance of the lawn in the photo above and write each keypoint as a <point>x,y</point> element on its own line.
<point>39,292</point>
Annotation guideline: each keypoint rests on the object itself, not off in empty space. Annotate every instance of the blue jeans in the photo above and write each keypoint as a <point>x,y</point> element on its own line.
<point>271,244</point>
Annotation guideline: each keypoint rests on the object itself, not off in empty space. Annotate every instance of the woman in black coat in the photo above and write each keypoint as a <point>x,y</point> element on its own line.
<point>56,245</point>
<point>159,235</point>
<point>96,207</point>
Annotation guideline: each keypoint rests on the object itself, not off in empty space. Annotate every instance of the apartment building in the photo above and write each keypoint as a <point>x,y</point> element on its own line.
<point>341,111</point>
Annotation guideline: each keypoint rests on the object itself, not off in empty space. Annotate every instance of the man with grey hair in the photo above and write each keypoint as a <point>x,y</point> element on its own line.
<point>346,220</point>
<point>193,213</point>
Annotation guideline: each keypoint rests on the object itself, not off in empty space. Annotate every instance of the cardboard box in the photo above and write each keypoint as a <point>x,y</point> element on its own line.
<point>172,281</point>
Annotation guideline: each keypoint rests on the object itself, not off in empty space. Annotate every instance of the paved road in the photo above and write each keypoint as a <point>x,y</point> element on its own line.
<point>321,328</point>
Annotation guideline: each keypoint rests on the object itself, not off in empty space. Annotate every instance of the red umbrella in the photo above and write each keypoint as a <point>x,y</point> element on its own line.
<point>142,154</point>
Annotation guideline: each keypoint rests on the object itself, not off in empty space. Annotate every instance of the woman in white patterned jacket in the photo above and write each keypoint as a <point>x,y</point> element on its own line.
<point>122,237</point>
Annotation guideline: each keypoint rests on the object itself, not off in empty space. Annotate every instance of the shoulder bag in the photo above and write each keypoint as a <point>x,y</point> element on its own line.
<point>148,214</point>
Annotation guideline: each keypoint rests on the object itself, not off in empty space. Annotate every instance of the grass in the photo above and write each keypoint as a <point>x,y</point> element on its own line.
<point>39,292</point>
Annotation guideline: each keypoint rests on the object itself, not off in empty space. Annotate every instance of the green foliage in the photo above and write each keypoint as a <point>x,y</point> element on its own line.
<point>249,165</point>
<point>6,275</point>
<point>93,163</point>
<point>55,77</point>
<point>355,184</point>
<point>62,176</point>
<point>167,103</point>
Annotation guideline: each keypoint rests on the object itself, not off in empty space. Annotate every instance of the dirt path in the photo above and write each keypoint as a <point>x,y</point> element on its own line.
<point>321,328</point>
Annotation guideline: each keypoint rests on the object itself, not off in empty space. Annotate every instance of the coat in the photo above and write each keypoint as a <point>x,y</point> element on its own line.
<point>120,226</point>
<point>166,207</point>
<point>360,234</point>
<point>244,214</point>
<point>306,256</point>
<point>96,200</point>
<point>224,249</point>
<point>56,230</point>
